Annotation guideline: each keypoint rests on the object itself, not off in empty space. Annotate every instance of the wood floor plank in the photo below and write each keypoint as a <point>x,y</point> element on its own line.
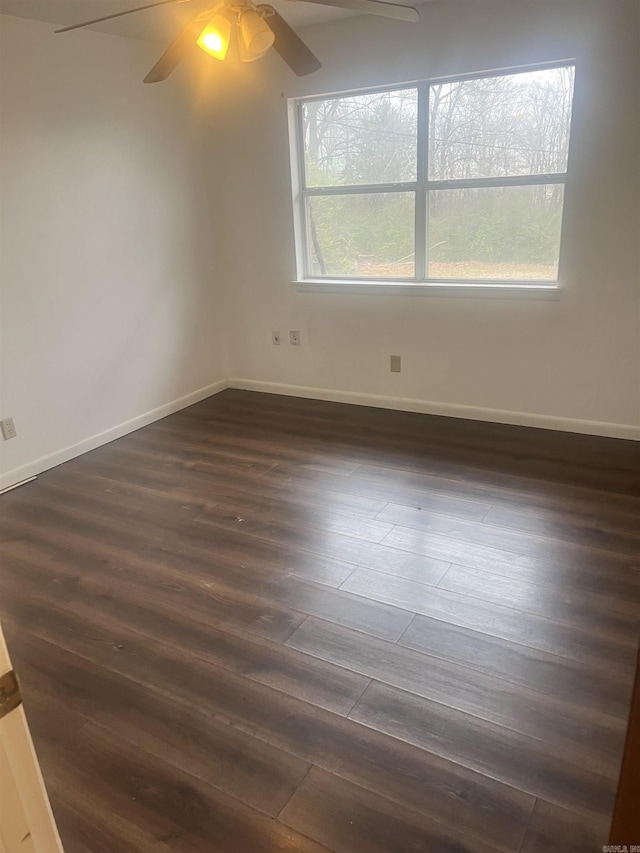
<point>257,659</point>
<point>519,542</point>
<point>382,558</point>
<point>230,472</point>
<point>82,832</point>
<point>427,783</point>
<point>136,511</point>
<point>595,531</point>
<point>606,614</point>
<point>296,528</point>
<point>291,521</point>
<point>574,682</point>
<point>194,456</point>
<point>212,439</point>
<point>295,593</point>
<point>493,750</point>
<point>310,598</point>
<point>345,608</point>
<point>335,555</point>
<point>556,830</point>
<point>196,555</point>
<point>97,806</point>
<point>205,598</point>
<point>550,456</point>
<point>191,482</point>
<point>346,818</point>
<point>262,776</point>
<point>148,522</point>
<point>484,476</point>
<point>205,817</point>
<point>343,485</point>
<point>412,486</point>
<point>619,581</point>
<point>587,738</point>
<point>508,623</point>
<point>218,482</point>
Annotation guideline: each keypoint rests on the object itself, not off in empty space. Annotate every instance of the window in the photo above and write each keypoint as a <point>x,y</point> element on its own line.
<point>441,182</point>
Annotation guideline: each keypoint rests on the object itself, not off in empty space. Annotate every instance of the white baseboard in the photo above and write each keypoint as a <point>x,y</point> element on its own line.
<point>18,484</point>
<point>428,407</point>
<point>404,404</point>
<point>24,472</point>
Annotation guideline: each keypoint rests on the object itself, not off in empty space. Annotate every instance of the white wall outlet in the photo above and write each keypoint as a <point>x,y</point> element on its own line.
<point>395,364</point>
<point>8,428</point>
<point>275,339</point>
<point>294,338</point>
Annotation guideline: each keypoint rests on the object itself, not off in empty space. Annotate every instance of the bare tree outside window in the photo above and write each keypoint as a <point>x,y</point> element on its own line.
<point>360,140</point>
<point>508,126</point>
<point>492,127</point>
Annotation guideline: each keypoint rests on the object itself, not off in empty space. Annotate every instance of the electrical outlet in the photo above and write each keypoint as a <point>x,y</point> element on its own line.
<point>294,338</point>
<point>8,428</point>
<point>395,364</point>
<point>275,339</point>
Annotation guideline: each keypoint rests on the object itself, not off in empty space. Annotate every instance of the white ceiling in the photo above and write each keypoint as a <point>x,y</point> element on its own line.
<point>160,24</point>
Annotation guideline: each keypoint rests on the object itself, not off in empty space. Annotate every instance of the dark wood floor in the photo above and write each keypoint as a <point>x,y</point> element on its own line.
<point>270,624</point>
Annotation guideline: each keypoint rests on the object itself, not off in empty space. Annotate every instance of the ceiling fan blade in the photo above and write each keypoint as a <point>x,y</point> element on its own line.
<point>289,45</point>
<point>176,51</point>
<point>373,7</point>
<point>118,15</point>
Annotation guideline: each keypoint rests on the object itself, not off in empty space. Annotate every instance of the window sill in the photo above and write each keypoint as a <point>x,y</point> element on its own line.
<point>499,290</point>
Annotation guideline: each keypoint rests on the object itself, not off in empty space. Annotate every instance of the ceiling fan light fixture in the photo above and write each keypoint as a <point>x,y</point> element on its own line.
<point>256,36</point>
<point>215,37</point>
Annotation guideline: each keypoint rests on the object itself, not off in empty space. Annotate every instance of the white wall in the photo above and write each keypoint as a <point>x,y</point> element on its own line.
<point>571,363</point>
<point>111,306</point>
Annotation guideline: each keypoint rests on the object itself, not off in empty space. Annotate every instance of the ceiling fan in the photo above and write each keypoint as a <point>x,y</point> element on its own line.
<point>255,28</point>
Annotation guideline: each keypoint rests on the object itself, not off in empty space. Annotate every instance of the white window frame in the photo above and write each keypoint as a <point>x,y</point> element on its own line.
<point>419,283</point>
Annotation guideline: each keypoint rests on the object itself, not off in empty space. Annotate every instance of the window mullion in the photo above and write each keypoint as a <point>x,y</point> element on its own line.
<point>503,181</point>
<point>422,154</point>
<point>360,189</point>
